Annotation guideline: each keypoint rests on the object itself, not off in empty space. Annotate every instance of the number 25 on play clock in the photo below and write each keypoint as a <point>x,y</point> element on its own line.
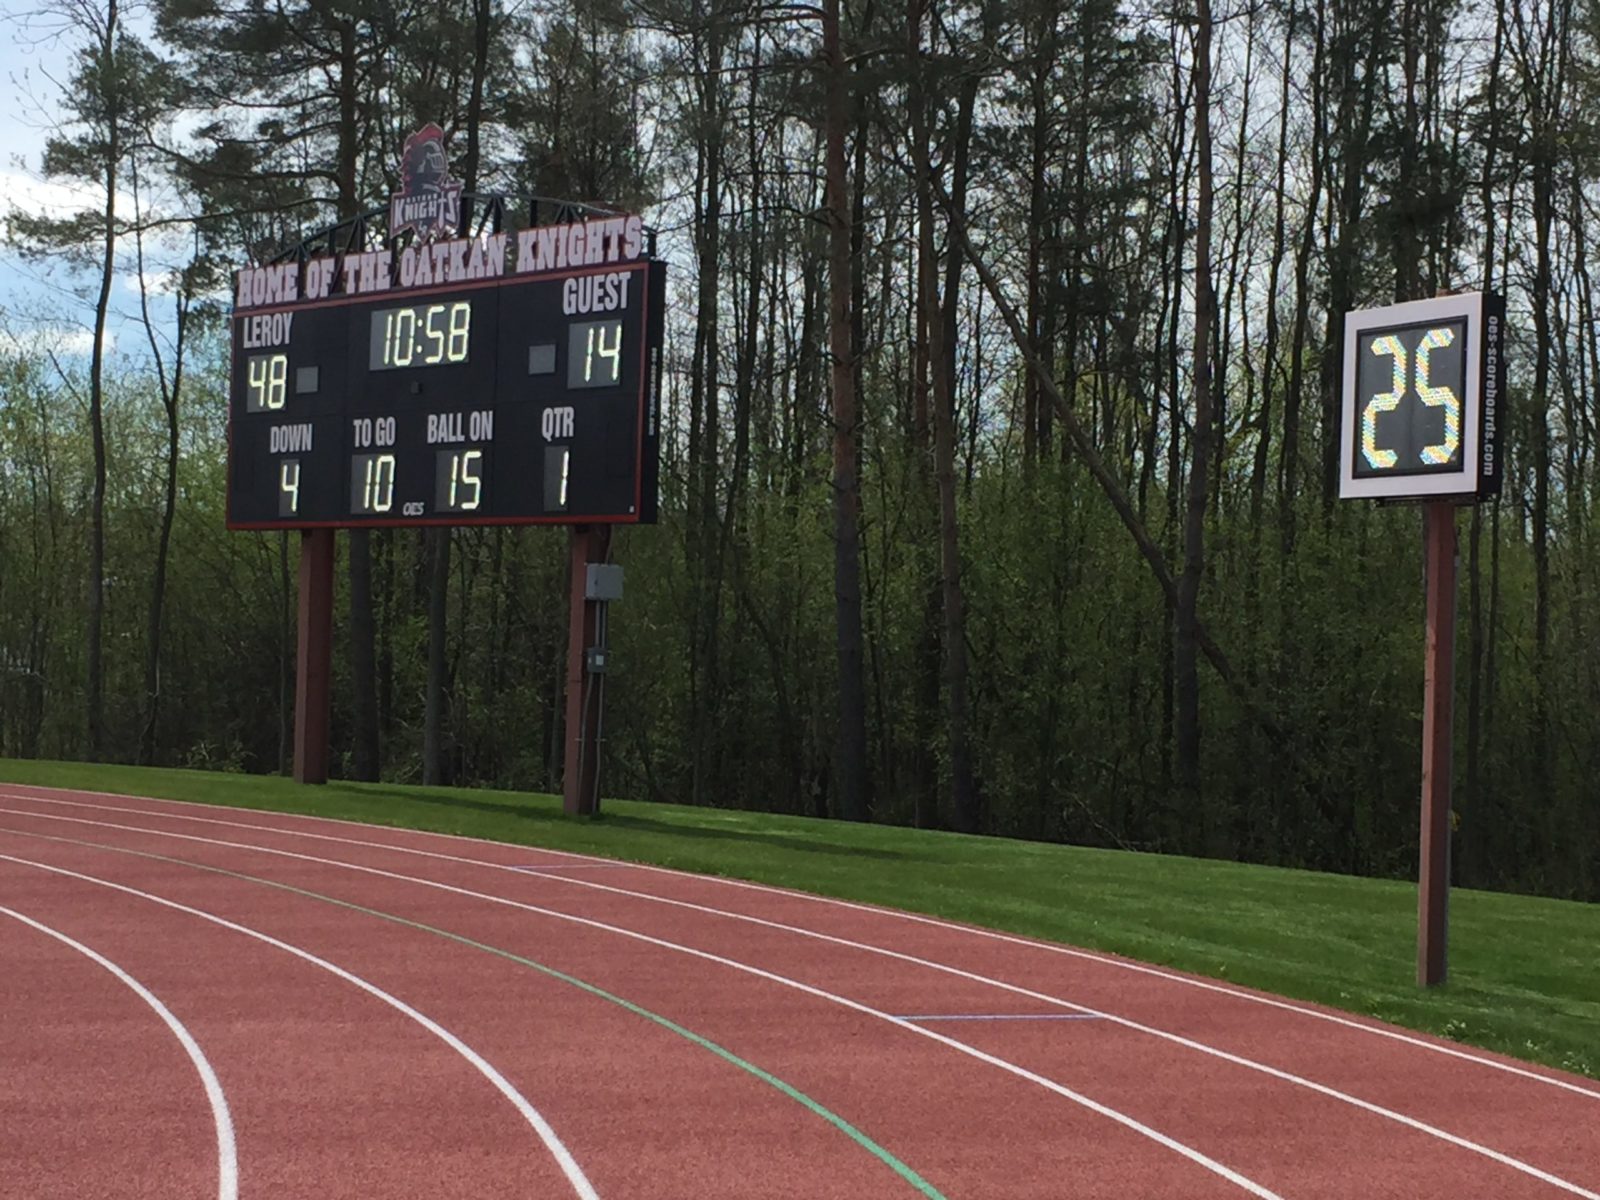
<point>1423,392</point>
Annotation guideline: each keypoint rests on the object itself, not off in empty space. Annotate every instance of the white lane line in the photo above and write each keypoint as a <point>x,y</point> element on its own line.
<point>1396,1035</point>
<point>569,1165</point>
<point>1044,997</point>
<point>221,1119</point>
<point>1051,1085</point>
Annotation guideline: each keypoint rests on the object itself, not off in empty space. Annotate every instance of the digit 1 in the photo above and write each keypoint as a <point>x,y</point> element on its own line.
<point>1439,397</point>
<point>588,370</point>
<point>455,477</point>
<point>1382,460</point>
<point>367,489</point>
<point>289,484</point>
<point>388,339</point>
<point>566,461</point>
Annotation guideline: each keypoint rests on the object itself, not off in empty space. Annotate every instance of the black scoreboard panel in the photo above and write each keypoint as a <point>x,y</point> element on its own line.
<point>522,400</point>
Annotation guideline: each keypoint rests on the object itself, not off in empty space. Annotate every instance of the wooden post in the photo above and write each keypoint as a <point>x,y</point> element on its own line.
<point>580,775</point>
<point>313,657</point>
<point>1433,892</point>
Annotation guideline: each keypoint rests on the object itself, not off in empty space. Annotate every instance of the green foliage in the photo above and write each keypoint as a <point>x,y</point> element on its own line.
<point>723,688</point>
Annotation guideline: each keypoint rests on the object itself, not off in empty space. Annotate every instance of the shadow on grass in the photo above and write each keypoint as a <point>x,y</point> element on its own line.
<point>666,831</point>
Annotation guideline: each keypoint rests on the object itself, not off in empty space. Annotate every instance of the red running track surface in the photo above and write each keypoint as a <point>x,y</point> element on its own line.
<point>398,1014</point>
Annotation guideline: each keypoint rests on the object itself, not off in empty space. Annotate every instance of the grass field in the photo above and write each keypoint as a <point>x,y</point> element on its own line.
<point>1525,972</point>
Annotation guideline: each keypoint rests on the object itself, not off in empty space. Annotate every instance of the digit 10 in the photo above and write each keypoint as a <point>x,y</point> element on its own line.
<point>377,494</point>
<point>1430,395</point>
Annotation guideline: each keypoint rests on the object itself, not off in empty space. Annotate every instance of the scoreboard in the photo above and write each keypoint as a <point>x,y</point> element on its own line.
<point>1423,398</point>
<point>437,387</point>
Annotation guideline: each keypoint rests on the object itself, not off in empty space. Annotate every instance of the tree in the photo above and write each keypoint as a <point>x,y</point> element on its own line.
<point>117,92</point>
<point>1200,439</point>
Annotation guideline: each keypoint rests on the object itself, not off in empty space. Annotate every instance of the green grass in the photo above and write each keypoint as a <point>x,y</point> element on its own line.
<point>1525,972</point>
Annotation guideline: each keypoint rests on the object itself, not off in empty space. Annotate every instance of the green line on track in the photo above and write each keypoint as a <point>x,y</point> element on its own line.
<point>722,1052</point>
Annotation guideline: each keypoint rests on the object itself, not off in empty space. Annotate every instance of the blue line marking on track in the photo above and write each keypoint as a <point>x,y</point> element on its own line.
<point>538,867</point>
<point>1002,1017</point>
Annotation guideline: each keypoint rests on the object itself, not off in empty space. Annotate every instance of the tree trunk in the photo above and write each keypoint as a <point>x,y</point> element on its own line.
<point>940,318</point>
<point>363,624</point>
<point>851,750</point>
<point>1187,681</point>
<point>170,392</point>
<point>95,689</point>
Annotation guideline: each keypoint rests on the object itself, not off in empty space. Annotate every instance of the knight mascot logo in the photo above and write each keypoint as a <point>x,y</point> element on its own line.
<point>428,201</point>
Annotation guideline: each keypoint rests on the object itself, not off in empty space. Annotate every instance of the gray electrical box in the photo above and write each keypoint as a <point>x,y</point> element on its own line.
<point>603,582</point>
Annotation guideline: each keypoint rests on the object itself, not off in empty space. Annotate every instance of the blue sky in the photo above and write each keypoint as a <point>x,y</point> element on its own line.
<point>50,303</point>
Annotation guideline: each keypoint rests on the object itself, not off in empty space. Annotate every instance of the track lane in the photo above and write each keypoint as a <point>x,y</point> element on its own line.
<point>85,1063</point>
<point>963,1129</point>
<point>632,1102</point>
<point>1406,1170</point>
<point>221,1119</point>
<point>1501,1111</point>
<point>517,856</point>
<point>319,1076</point>
<point>1500,1104</point>
<point>1564,1142</point>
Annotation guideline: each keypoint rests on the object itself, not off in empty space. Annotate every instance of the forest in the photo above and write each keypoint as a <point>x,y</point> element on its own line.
<point>999,460</point>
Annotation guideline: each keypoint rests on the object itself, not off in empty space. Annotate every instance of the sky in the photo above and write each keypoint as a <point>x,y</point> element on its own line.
<point>48,303</point>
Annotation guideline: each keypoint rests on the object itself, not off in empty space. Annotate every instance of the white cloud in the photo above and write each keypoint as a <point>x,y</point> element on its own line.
<point>51,197</point>
<point>68,341</point>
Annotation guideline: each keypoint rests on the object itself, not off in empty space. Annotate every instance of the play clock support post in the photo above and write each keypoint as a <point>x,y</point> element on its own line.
<point>1433,892</point>
<point>1422,411</point>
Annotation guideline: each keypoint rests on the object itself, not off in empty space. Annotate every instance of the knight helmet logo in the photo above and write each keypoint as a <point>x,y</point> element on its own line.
<point>428,201</point>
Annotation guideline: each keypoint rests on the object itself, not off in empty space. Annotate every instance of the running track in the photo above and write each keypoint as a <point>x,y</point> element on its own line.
<point>206,1002</point>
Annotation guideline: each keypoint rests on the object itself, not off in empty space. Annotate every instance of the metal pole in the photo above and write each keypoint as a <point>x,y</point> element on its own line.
<point>313,657</point>
<point>581,771</point>
<point>1433,893</point>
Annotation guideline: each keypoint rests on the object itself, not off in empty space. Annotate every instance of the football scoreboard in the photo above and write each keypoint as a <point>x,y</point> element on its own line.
<point>450,383</point>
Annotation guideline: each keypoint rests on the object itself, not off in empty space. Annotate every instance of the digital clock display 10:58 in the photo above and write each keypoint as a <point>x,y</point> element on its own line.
<point>423,335</point>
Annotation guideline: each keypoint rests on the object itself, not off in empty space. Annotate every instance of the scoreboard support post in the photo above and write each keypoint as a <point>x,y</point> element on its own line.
<point>580,777</point>
<point>313,657</point>
<point>1433,891</point>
